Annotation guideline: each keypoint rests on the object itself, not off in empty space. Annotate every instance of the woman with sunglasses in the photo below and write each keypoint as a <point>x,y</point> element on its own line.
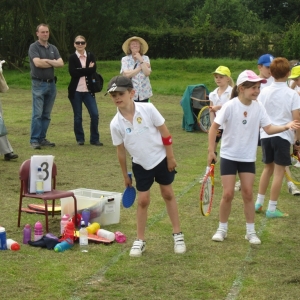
<point>136,66</point>
<point>82,65</point>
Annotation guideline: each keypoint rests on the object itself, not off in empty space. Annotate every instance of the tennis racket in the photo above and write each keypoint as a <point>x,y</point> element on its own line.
<point>207,191</point>
<point>129,194</point>
<point>203,119</point>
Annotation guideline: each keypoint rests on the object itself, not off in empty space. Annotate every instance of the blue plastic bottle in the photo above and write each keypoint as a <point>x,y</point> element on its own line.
<point>3,245</point>
<point>64,245</point>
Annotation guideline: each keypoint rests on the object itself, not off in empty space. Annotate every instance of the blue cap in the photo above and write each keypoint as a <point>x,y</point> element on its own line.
<point>265,60</point>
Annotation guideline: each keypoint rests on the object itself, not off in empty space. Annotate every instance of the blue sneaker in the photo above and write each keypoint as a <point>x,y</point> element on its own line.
<point>258,207</point>
<point>276,214</point>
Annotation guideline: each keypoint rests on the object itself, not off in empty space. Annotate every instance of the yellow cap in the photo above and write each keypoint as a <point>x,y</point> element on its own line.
<point>222,71</point>
<point>295,72</point>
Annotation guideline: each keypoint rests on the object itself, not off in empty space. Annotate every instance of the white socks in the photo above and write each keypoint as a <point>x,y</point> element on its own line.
<point>260,199</point>
<point>272,205</point>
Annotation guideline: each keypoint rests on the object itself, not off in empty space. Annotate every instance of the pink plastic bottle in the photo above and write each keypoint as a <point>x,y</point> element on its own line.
<point>120,237</point>
<point>38,231</point>
<point>26,234</point>
<point>64,221</point>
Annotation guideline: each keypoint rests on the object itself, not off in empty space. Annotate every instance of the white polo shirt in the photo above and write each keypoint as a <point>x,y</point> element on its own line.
<point>240,123</point>
<point>141,138</point>
<point>279,101</point>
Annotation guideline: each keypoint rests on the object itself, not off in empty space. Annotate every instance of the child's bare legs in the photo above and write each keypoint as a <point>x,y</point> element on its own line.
<point>247,181</point>
<point>143,204</point>
<point>168,195</point>
<point>228,182</point>
<point>263,185</point>
<point>277,182</point>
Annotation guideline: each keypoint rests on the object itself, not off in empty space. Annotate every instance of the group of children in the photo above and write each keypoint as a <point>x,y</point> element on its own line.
<point>140,129</point>
<point>276,113</point>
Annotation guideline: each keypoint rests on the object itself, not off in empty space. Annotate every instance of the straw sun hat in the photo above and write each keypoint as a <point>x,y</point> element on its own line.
<point>125,46</point>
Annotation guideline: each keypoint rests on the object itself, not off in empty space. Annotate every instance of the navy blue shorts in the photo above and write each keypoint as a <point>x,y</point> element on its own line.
<point>145,178</point>
<point>231,167</point>
<point>276,149</point>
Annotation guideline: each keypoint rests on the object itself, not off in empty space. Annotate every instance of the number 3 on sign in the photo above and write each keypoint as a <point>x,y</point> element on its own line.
<point>46,163</point>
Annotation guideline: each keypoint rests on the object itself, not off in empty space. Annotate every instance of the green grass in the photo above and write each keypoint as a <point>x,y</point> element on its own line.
<point>230,270</point>
<point>169,76</point>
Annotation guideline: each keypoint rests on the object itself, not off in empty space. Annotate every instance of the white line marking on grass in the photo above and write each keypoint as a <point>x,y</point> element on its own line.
<point>158,217</point>
<point>239,279</point>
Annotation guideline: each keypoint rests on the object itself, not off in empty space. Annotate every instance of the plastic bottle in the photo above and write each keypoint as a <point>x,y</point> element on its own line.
<point>106,234</point>
<point>39,181</point>
<point>64,221</point>
<point>64,245</point>
<point>26,234</point>
<point>93,228</point>
<point>38,231</point>
<point>120,237</point>
<point>86,214</point>
<point>12,245</point>
<point>3,245</point>
<point>83,238</point>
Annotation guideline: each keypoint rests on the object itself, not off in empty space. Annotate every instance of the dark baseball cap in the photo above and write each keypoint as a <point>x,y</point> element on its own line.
<point>119,84</point>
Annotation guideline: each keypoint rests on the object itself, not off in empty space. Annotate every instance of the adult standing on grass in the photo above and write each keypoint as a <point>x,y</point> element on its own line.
<point>240,118</point>
<point>136,66</point>
<point>5,146</point>
<point>44,57</point>
<point>282,105</point>
<point>140,129</point>
<point>82,65</point>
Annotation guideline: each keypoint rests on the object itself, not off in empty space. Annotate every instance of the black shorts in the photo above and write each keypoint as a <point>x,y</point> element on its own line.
<point>276,149</point>
<point>219,135</point>
<point>145,178</point>
<point>231,167</point>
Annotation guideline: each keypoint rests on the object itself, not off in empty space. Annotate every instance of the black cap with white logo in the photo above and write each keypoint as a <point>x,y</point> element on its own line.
<point>119,84</point>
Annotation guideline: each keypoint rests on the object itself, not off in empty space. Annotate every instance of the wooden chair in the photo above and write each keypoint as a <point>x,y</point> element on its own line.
<point>24,174</point>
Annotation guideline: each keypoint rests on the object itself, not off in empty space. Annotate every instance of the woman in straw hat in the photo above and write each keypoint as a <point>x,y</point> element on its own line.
<point>136,65</point>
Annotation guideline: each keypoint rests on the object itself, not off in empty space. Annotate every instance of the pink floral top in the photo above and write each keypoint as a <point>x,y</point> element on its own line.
<point>141,83</point>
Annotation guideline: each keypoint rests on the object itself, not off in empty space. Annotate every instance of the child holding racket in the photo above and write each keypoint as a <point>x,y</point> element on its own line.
<point>240,119</point>
<point>218,97</point>
<point>140,129</point>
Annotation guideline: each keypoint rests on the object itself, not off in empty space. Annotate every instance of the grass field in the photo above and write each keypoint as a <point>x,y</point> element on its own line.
<point>230,270</point>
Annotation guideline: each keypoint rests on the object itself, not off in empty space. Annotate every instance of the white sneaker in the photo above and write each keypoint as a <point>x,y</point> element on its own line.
<point>137,248</point>
<point>179,245</point>
<point>293,189</point>
<point>237,186</point>
<point>220,235</point>
<point>252,238</point>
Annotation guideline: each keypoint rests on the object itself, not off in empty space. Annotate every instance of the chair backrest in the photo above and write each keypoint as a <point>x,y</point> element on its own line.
<point>24,174</point>
<point>199,92</point>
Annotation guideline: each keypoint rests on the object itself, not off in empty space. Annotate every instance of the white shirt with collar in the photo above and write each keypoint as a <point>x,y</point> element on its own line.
<point>141,138</point>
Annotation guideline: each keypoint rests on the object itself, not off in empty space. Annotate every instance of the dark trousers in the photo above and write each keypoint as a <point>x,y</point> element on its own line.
<point>91,105</point>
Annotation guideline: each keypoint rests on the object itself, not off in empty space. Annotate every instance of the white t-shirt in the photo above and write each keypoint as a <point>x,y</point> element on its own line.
<point>270,80</point>
<point>216,100</point>
<point>240,124</point>
<point>297,88</point>
<point>141,139</point>
<point>279,101</point>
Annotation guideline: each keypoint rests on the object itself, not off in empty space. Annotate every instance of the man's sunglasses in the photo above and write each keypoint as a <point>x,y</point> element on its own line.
<point>80,43</point>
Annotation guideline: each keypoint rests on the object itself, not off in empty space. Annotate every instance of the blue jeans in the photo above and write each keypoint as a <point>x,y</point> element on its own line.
<point>91,105</point>
<point>43,97</point>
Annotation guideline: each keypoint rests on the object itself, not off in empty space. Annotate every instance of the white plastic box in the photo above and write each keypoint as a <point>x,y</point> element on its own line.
<point>104,206</point>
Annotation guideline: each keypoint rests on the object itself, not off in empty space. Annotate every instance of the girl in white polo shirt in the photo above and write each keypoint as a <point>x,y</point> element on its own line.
<point>240,119</point>
<point>219,97</point>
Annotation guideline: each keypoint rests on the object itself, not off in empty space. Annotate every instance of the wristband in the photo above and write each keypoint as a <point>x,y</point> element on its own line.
<point>167,140</point>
